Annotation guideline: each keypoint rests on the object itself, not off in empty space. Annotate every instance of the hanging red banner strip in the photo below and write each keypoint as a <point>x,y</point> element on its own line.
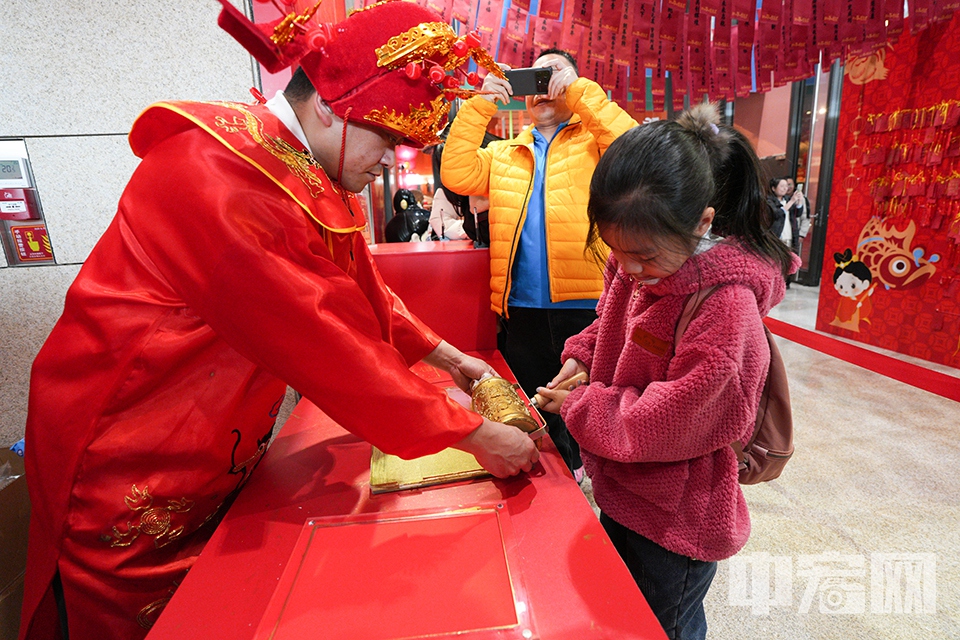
<point>582,12</point>
<point>770,11</point>
<point>859,10</point>
<point>743,11</point>
<point>658,88</point>
<point>873,30</point>
<point>582,52</point>
<point>623,50</point>
<point>813,50</point>
<point>510,53</point>
<point>724,77</point>
<point>528,54</point>
<point>521,4</point>
<point>831,11</point>
<point>546,33</point>
<point>619,92</point>
<point>721,51</point>
<point>851,31</point>
<point>677,97</point>
<point>488,22</point>
<point>919,14</point>
<point>643,19</point>
<point>802,12</point>
<point>744,33</point>
<point>697,67</point>
<point>799,37</point>
<point>697,27</point>
<point>550,9</point>
<point>893,18</point>
<point>597,62</point>
<point>651,35</point>
<point>670,48</point>
<point>512,38</point>
<point>768,43</point>
<point>670,23</point>
<point>637,82</point>
<point>710,74</point>
<point>466,12</point>
<point>611,14</point>
<point>443,8</point>
<point>515,26</point>
<point>826,34</point>
<point>790,71</point>
<point>610,62</point>
<point>680,79</point>
<point>781,72</point>
<point>571,34</point>
<point>721,25</point>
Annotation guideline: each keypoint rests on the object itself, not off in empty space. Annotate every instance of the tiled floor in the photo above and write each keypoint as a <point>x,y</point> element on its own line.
<point>859,537</point>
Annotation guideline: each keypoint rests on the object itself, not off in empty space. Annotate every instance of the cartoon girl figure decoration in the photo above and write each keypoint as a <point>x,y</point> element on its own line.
<point>854,282</point>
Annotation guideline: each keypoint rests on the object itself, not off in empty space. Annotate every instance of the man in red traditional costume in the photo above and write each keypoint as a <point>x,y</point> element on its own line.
<point>234,267</point>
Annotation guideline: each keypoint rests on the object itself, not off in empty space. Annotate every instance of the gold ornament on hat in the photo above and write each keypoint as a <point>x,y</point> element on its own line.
<point>432,49</point>
<point>438,43</point>
<point>292,25</point>
<point>421,124</point>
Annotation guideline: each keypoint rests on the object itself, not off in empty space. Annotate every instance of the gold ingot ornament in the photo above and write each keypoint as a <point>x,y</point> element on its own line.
<point>497,399</point>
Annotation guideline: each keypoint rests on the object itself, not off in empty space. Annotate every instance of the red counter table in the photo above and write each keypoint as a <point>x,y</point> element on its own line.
<point>575,585</point>
<point>549,553</point>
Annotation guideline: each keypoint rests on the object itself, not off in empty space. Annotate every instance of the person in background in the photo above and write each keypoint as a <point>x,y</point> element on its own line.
<point>544,288</point>
<point>801,210</point>
<point>445,220</point>
<point>410,221</point>
<point>778,215</point>
<point>234,267</point>
<point>791,202</point>
<point>681,205</point>
<point>471,211</point>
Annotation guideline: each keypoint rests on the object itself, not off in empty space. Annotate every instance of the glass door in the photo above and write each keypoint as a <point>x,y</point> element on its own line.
<point>820,106</point>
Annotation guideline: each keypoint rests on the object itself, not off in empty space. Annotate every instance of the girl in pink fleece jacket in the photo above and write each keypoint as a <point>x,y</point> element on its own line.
<point>656,420</point>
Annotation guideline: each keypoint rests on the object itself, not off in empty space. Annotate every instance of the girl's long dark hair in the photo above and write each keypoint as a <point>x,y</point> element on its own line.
<point>657,179</point>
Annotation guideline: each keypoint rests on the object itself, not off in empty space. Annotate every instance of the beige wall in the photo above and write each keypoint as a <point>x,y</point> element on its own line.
<point>75,74</point>
<point>764,119</point>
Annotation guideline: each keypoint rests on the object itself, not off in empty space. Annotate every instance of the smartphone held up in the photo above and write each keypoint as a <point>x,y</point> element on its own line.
<point>529,81</point>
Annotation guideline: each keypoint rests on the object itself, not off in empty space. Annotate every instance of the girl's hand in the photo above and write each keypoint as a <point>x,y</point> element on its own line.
<point>554,397</point>
<point>569,369</point>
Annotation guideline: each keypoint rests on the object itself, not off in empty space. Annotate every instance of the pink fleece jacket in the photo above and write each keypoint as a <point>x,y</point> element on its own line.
<point>655,427</point>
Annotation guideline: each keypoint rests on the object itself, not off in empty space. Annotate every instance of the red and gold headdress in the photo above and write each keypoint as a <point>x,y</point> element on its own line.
<point>394,65</point>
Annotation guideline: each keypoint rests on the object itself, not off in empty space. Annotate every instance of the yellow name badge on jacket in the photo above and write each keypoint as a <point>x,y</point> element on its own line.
<point>650,342</point>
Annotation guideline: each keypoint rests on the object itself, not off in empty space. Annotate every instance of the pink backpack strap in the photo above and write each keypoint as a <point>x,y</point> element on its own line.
<point>690,311</point>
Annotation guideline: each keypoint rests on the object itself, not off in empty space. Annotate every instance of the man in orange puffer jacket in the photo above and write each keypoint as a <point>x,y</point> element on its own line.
<point>543,284</point>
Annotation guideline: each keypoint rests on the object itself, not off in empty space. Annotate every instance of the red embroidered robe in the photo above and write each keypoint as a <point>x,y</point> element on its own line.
<point>232,269</point>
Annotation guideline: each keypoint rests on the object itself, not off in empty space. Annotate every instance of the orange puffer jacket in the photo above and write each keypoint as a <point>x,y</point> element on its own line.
<point>504,170</point>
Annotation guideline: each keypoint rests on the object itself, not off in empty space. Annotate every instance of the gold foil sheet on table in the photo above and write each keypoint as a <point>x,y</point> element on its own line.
<point>392,473</point>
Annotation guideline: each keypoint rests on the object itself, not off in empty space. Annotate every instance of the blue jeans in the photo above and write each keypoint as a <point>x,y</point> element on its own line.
<point>673,585</point>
